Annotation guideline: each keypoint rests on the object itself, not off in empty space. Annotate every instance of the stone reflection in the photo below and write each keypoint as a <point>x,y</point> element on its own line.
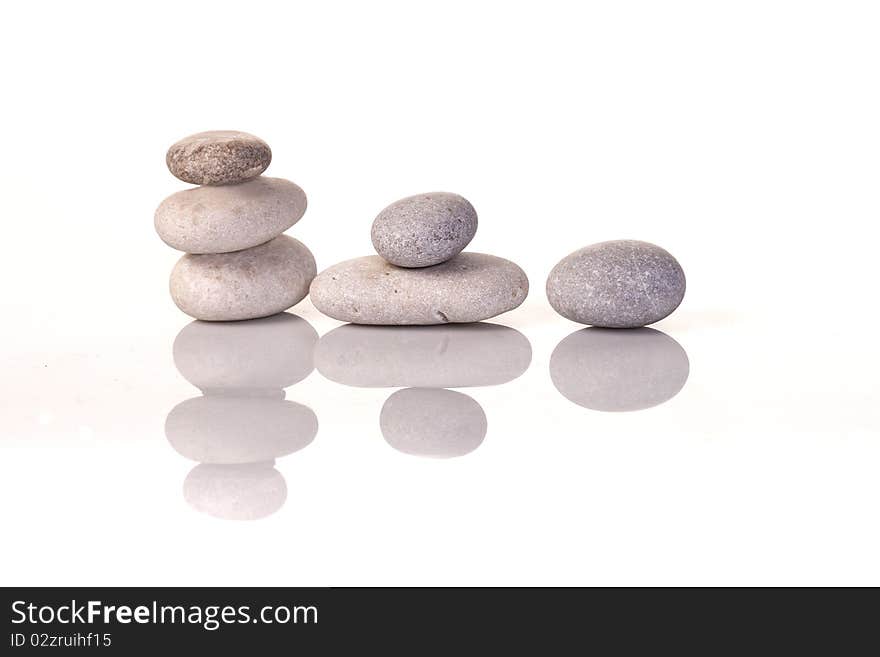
<point>432,422</point>
<point>444,356</point>
<point>617,369</point>
<point>242,422</point>
<point>248,491</point>
<point>270,353</point>
<point>426,419</point>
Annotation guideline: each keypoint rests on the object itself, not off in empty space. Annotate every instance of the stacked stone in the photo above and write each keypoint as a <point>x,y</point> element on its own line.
<point>421,275</point>
<point>243,421</point>
<point>238,264</point>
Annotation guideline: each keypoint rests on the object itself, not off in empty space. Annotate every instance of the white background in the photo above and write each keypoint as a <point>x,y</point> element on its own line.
<point>744,137</point>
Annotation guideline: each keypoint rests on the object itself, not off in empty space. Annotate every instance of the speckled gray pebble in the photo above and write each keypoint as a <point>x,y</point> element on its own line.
<point>608,370</point>
<point>449,356</point>
<point>231,218</point>
<point>218,157</point>
<point>617,284</point>
<point>256,282</point>
<point>229,429</point>
<point>424,230</point>
<point>470,287</point>
<point>432,422</point>
<point>268,353</point>
<point>235,492</point>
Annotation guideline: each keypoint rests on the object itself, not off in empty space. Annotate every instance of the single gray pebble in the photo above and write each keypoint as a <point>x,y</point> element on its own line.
<point>608,370</point>
<point>230,429</point>
<point>231,218</point>
<point>432,422</point>
<point>218,157</point>
<point>449,356</point>
<point>424,230</point>
<point>255,282</point>
<point>235,492</point>
<point>272,352</point>
<point>470,287</point>
<point>617,284</point>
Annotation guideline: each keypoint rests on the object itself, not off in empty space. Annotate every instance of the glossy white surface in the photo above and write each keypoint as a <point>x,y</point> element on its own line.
<point>743,139</point>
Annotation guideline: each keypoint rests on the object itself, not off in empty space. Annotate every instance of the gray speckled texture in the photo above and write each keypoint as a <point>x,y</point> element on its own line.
<point>273,352</point>
<point>424,230</point>
<point>449,356</point>
<point>231,218</point>
<point>608,370</point>
<point>218,157</point>
<point>227,429</point>
<point>256,282</point>
<point>470,287</point>
<point>432,422</point>
<point>617,284</point>
<point>235,492</point>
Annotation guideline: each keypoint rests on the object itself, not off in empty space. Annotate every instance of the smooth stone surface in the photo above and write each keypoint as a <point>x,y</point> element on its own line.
<point>432,422</point>
<point>608,370</point>
<point>224,219</point>
<point>617,284</point>
<point>470,287</point>
<point>229,430</point>
<point>248,284</point>
<point>424,230</point>
<point>235,492</point>
<point>273,352</point>
<point>218,157</point>
<point>447,356</point>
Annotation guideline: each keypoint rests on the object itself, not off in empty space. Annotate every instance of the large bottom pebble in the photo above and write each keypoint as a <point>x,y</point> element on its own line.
<point>470,287</point>
<point>248,284</point>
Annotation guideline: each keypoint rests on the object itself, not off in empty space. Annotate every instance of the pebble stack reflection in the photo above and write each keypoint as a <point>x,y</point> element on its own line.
<point>242,421</point>
<point>424,418</point>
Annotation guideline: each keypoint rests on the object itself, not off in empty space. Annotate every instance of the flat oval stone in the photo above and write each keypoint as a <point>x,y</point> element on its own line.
<point>432,422</point>
<point>617,284</point>
<point>608,370</point>
<point>272,352</point>
<point>256,282</point>
<point>228,430</point>
<point>424,230</point>
<point>450,356</point>
<point>235,492</point>
<point>218,157</point>
<point>470,287</point>
<point>224,219</point>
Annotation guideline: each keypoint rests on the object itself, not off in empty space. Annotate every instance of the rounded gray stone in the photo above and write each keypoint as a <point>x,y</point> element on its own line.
<point>248,284</point>
<point>424,230</point>
<point>235,492</point>
<point>273,352</point>
<point>432,422</point>
<point>617,284</point>
<point>218,157</point>
<point>470,287</point>
<point>229,429</point>
<point>450,356</point>
<point>231,218</point>
<point>608,370</point>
